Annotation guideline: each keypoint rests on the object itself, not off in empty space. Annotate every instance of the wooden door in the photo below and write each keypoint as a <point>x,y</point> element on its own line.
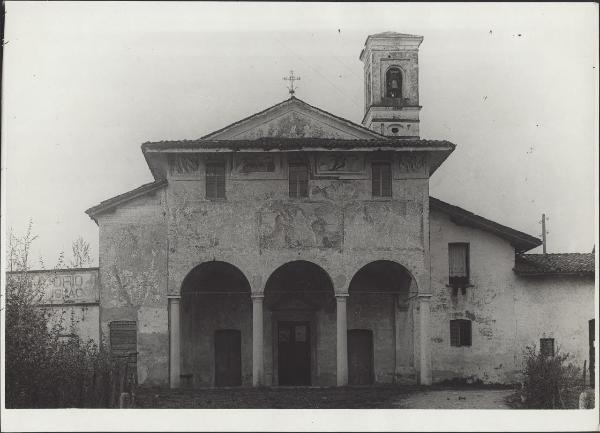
<point>228,357</point>
<point>360,357</point>
<point>293,353</point>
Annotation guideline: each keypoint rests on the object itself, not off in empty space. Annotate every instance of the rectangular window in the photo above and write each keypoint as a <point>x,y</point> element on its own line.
<point>298,175</point>
<point>460,332</point>
<point>215,181</point>
<point>458,261</point>
<point>123,337</point>
<point>547,346</point>
<point>381,179</point>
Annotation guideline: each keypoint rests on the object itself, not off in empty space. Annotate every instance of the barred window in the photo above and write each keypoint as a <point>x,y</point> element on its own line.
<point>458,261</point>
<point>547,346</point>
<point>298,177</point>
<point>460,332</point>
<point>381,173</point>
<point>215,180</point>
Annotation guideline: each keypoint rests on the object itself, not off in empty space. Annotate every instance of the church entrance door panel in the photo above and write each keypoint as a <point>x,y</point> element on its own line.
<point>228,357</point>
<point>360,357</point>
<point>293,343</point>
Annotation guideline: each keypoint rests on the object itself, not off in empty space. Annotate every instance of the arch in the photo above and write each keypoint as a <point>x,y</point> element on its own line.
<point>381,272</point>
<point>302,280</point>
<point>394,79</point>
<point>215,277</point>
<point>300,308</point>
<point>381,276</point>
<point>379,302</point>
<point>216,326</point>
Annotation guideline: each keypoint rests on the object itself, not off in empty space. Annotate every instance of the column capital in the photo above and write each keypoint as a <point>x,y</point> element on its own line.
<point>174,298</point>
<point>256,296</point>
<point>424,296</point>
<point>341,295</point>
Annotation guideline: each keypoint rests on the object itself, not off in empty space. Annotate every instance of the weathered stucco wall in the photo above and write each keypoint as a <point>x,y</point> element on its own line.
<point>258,227</point>
<point>133,275</point>
<point>70,297</point>
<point>84,318</point>
<point>507,312</point>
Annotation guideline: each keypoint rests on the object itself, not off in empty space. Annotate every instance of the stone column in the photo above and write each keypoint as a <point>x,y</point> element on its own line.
<point>424,340</point>
<point>174,343</point>
<point>342,340</point>
<point>257,340</point>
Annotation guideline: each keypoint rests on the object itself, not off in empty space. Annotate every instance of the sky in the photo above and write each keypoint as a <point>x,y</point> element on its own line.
<point>514,86</point>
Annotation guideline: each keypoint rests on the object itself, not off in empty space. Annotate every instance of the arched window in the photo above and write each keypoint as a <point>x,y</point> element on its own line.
<point>393,83</point>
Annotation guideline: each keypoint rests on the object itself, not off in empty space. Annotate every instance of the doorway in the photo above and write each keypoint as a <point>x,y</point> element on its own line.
<point>360,357</point>
<point>228,357</point>
<point>293,346</point>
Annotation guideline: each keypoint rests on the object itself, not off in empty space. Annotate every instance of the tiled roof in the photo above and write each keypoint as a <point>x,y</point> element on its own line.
<point>126,196</point>
<point>520,240</point>
<point>280,143</point>
<point>555,264</point>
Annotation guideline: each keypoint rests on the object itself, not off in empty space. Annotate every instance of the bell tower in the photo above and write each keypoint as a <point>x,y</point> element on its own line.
<point>391,66</point>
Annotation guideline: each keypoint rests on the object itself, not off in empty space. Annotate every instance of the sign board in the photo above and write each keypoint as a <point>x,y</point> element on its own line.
<point>67,286</point>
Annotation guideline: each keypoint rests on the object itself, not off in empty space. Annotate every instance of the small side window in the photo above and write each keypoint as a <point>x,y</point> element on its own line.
<point>215,181</point>
<point>298,176</point>
<point>458,263</point>
<point>460,332</point>
<point>381,181</point>
<point>547,347</point>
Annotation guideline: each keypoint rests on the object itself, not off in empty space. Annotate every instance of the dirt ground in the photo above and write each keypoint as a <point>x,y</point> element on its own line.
<point>456,399</point>
<point>392,397</point>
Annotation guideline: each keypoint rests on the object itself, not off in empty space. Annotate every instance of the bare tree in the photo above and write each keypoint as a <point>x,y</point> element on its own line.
<point>81,253</point>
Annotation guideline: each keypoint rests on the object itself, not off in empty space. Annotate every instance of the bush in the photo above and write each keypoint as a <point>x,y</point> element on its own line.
<point>551,382</point>
<point>43,368</point>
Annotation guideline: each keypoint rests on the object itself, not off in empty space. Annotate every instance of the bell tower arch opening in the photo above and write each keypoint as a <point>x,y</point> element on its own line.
<point>391,69</point>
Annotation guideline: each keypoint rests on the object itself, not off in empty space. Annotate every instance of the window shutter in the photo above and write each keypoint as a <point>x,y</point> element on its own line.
<point>465,333</point>
<point>376,180</point>
<point>458,264</point>
<point>386,180</point>
<point>123,337</point>
<point>215,181</point>
<point>547,346</point>
<point>460,332</point>
<point>454,333</point>
<point>457,259</point>
<point>298,179</point>
<point>381,180</point>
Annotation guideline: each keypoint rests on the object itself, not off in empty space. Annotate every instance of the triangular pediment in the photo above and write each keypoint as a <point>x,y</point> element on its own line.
<point>293,118</point>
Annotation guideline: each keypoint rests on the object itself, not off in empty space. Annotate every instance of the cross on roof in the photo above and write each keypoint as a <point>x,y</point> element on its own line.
<point>291,79</point>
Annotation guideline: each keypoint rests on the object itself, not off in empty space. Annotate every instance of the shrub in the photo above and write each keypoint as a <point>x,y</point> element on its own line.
<point>551,382</point>
<point>43,368</point>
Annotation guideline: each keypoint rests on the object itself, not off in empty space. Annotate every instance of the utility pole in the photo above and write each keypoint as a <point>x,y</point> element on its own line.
<point>544,232</point>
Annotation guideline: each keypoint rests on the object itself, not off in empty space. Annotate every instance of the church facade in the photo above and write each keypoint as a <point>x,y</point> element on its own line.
<point>295,247</point>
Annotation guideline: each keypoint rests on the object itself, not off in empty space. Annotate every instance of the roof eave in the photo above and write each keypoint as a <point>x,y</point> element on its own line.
<point>519,240</point>
<point>112,203</point>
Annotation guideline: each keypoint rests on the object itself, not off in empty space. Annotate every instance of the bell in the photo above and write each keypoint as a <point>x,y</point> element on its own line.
<point>394,84</point>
